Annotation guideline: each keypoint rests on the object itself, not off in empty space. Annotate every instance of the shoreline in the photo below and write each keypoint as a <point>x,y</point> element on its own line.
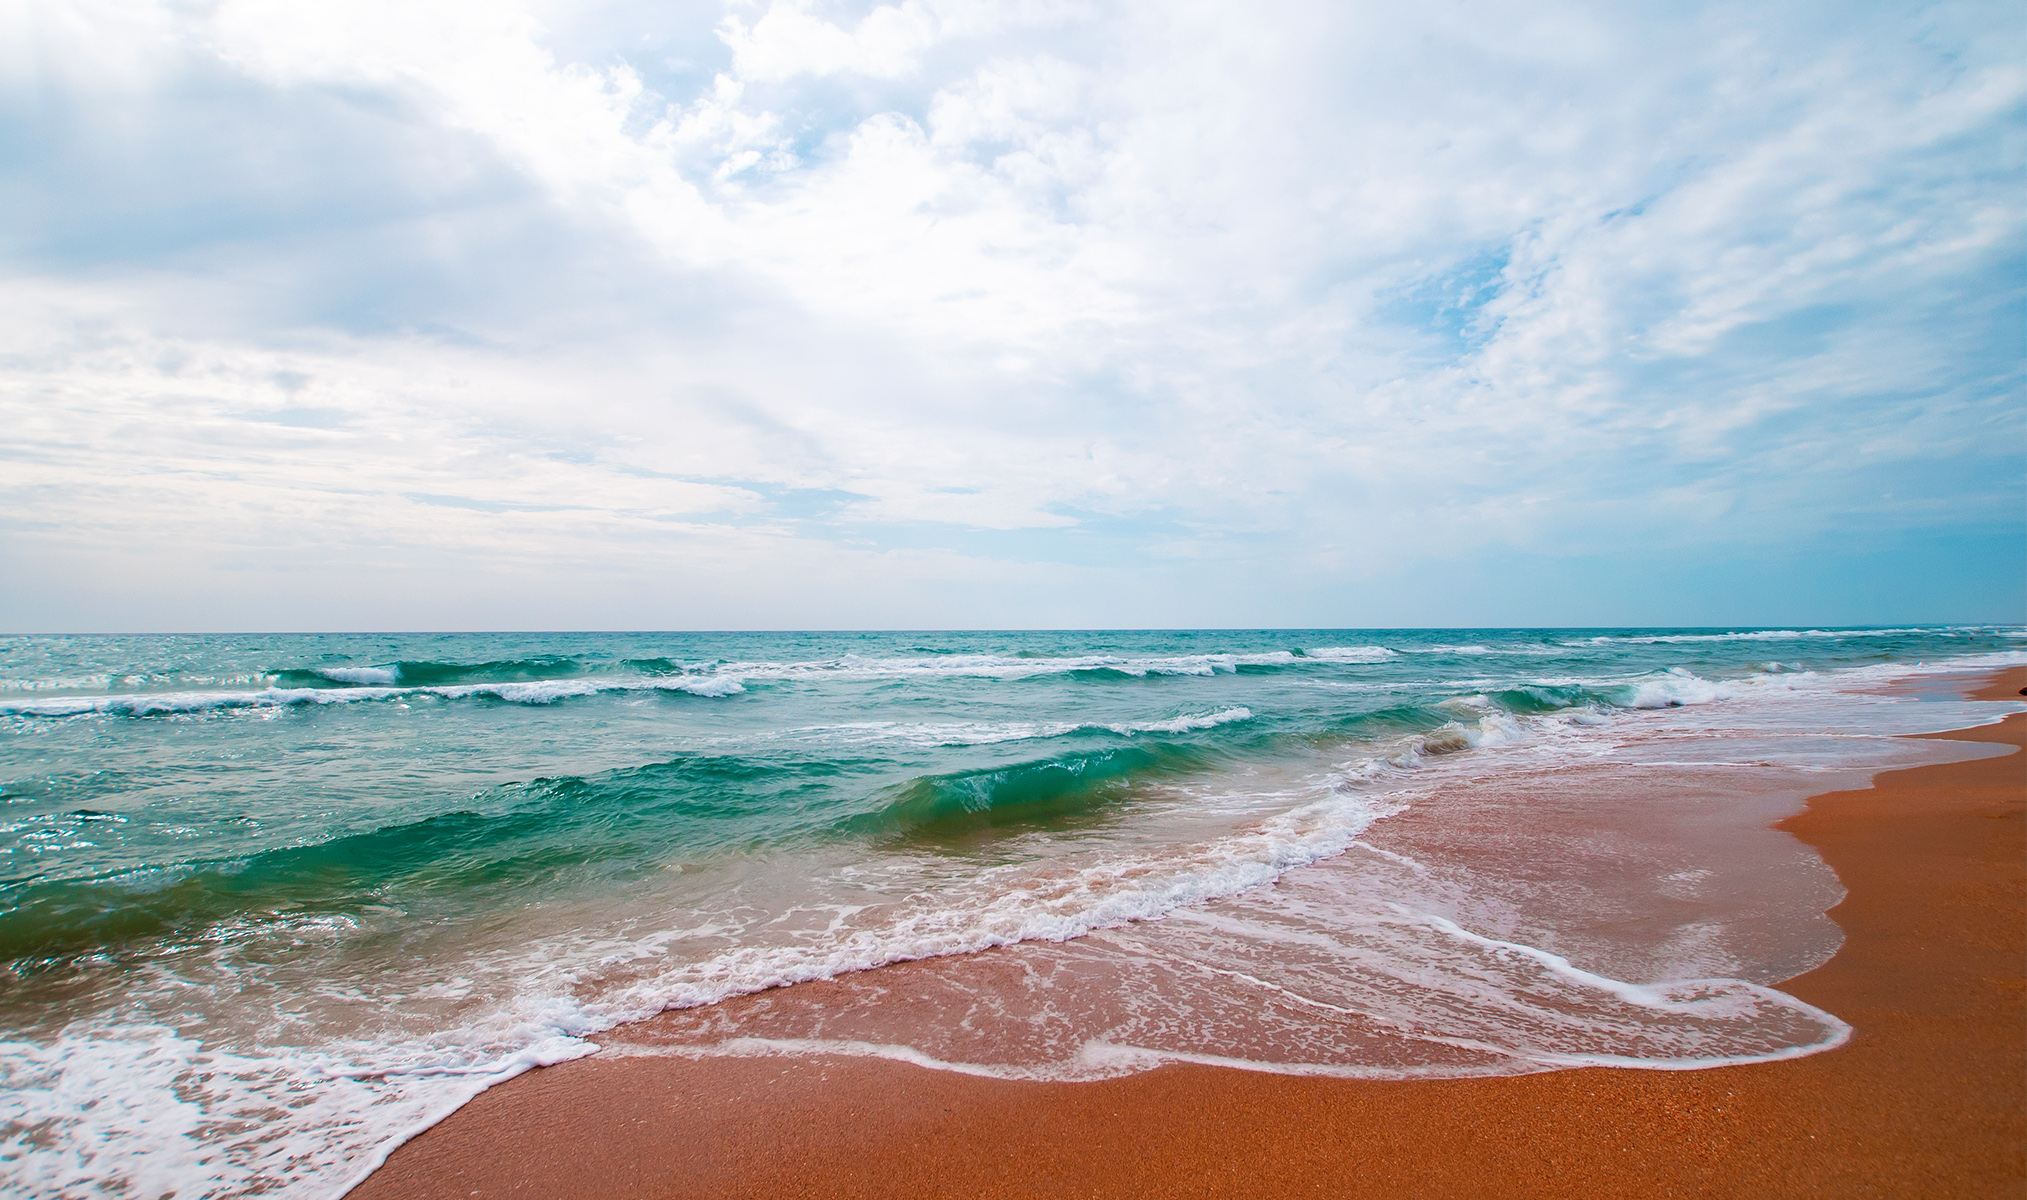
<point>1926,1097</point>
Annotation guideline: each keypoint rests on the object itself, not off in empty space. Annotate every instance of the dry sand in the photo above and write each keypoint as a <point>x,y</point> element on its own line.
<point>1929,1098</point>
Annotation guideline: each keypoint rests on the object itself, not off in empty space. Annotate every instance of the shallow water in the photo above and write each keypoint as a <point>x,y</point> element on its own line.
<point>269,904</point>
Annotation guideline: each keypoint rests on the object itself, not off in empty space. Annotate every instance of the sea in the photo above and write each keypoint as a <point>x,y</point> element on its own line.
<point>272,904</point>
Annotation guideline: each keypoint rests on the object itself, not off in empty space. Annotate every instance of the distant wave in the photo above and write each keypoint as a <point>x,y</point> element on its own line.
<point>546,679</point>
<point>986,733</point>
<point>155,703</point>
<point>1024,666</point>
<point>1187,724</point>
<point>383,676</point>
<point>434,674</point>
<point>850,666</point>
<point>1670,688</point>
<point>1350,654</point>
<point>997,666</point>
<point>1755,635</point>
<point>1473,649</point>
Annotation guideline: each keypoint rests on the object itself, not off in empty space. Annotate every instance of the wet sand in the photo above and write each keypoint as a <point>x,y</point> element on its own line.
<point>1929,1098</point>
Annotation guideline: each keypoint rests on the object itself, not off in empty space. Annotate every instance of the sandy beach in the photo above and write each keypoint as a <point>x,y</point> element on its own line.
<point>1926,1099</point>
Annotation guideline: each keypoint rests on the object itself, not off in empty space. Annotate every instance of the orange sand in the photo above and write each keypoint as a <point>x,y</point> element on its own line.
<point>1928,1099</point>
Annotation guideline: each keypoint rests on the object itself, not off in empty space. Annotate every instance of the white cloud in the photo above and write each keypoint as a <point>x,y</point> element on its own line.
<point>1320,294</point>
<point>789,40</point>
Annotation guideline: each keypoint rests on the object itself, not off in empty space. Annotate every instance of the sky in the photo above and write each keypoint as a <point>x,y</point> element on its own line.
<point>497,314</point>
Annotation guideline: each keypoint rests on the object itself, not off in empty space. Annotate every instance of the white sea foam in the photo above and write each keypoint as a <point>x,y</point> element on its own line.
<point>154,703</point>
<point>1186,724</point>
<point>995,666</point>
<point>939,733</point>
<point>1476,650</point>
<point>1481,650</point>
<point>373,675</point>
<point>73,683</point>
<point>1674,688</point>
<point>707,685</point>
<point>1240,975</point>
<point>147,1107</point>
<point>1350,654</point>
<point>986,733</point>
<point>545,691</point>
<point>1490,731</point>
<point>1758,635</point>
<point>1013,904</point>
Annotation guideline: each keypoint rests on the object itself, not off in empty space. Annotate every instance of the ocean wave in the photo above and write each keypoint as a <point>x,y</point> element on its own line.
<point>545,679</point>
<point>136,684</point>
<point>1410,736</point>
<point>987,733</point>
<point>1755,635</point>
<point>1025,666</point>
<point>371,676</point>
<point>425,673</point>
<point>1186,724</point>
<point>73,683</point>
<point>849,666</point>
<point>154,703</point>
<point>1023,902</point>
<point>1477,649</point>
<point>1023,793</point>
<point>1673,688</point>
<point>996,666</point>
<point>1350,654</point>
<point>1489,731</point>
<point>707,685</point>
<point>938,733</point>
<point>519,837</point>
<point>167,703</point>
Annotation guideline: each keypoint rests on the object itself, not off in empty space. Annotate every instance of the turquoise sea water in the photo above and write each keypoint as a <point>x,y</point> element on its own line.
<point>269,903</point>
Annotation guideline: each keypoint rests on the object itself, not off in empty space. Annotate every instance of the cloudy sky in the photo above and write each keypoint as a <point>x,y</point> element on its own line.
<point>400,314</point>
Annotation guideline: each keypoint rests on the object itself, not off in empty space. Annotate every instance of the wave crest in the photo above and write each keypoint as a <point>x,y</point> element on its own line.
<point>1027,793</point>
